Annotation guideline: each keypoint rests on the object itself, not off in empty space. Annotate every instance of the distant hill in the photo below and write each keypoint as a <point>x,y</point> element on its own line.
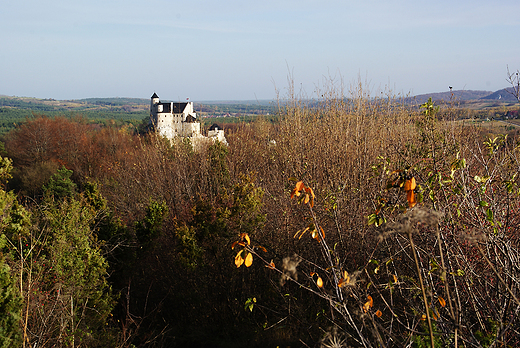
<point>502,95</point>
<point>459,95</point>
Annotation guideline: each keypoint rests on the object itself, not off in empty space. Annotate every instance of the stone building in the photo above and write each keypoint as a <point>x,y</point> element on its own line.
<point>172,120</point>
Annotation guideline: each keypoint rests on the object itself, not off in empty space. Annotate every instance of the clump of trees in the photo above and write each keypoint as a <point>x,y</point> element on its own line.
<point>401,230</point>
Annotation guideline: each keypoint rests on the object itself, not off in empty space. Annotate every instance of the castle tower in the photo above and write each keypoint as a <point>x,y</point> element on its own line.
<point>153,109</point>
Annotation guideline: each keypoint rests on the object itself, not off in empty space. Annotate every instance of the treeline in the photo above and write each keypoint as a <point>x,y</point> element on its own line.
<point>351,223</point>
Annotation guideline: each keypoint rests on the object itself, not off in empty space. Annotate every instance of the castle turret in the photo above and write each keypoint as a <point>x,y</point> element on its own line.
<point>154,101</point>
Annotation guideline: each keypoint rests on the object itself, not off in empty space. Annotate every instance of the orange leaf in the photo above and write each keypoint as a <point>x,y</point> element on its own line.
<point>319,282</point>
<point>395,278</point>
<point>271,265</point>
<point>378,313</point>
<point>322,232</point>
<point>368,304</point>
<point>310,191</point>
<point>410,184</point>
<point>412,201</point>
<point>234,245</point>
<point>297,188</point>
<point>249,260</point>
<point>312,273</point>
<point>262,248</point>
<point>238,259</point>
<point>442,302</point>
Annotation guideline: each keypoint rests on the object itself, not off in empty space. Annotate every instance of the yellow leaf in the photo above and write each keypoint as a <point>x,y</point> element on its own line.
<point>247,239</point>
<point>238,259</point>
<point>423,317</point>
<point>378,313</point>
<point>395,278</point>
<point>442,302</point>
<point>249,260</point>
<point>303,232</point>
<point>306,199</point>
<point>319,282</point>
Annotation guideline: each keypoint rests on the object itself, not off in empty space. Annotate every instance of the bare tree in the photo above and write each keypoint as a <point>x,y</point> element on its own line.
<point>514,80</point>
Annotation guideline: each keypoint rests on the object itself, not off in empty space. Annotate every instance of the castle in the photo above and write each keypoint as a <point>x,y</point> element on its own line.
<point>172,120</point>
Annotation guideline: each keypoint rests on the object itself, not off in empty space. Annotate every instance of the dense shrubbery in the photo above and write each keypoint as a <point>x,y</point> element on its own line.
<point>125,240</point>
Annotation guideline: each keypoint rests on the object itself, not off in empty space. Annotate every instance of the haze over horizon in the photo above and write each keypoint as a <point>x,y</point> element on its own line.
<point>238,50</point>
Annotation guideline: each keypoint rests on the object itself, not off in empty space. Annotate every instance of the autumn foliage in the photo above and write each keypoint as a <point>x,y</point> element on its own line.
<point>361,221</point>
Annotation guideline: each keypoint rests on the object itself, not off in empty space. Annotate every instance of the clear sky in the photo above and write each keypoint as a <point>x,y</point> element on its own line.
<point>243,50</point>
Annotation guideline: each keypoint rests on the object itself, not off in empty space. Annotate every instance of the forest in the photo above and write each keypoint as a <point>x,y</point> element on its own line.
<point>352,222</point>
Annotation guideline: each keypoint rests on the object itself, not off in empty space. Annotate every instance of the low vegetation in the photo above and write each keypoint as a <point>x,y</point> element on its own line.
<point>353,221</point>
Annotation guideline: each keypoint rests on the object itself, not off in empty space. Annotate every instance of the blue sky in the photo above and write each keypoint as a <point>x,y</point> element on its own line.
<point>243,50</point>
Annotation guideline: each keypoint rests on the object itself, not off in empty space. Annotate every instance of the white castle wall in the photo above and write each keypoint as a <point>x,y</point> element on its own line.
<point>183,123</point>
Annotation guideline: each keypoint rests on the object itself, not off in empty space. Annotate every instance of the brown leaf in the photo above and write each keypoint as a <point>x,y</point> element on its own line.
<point>262,248</point>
